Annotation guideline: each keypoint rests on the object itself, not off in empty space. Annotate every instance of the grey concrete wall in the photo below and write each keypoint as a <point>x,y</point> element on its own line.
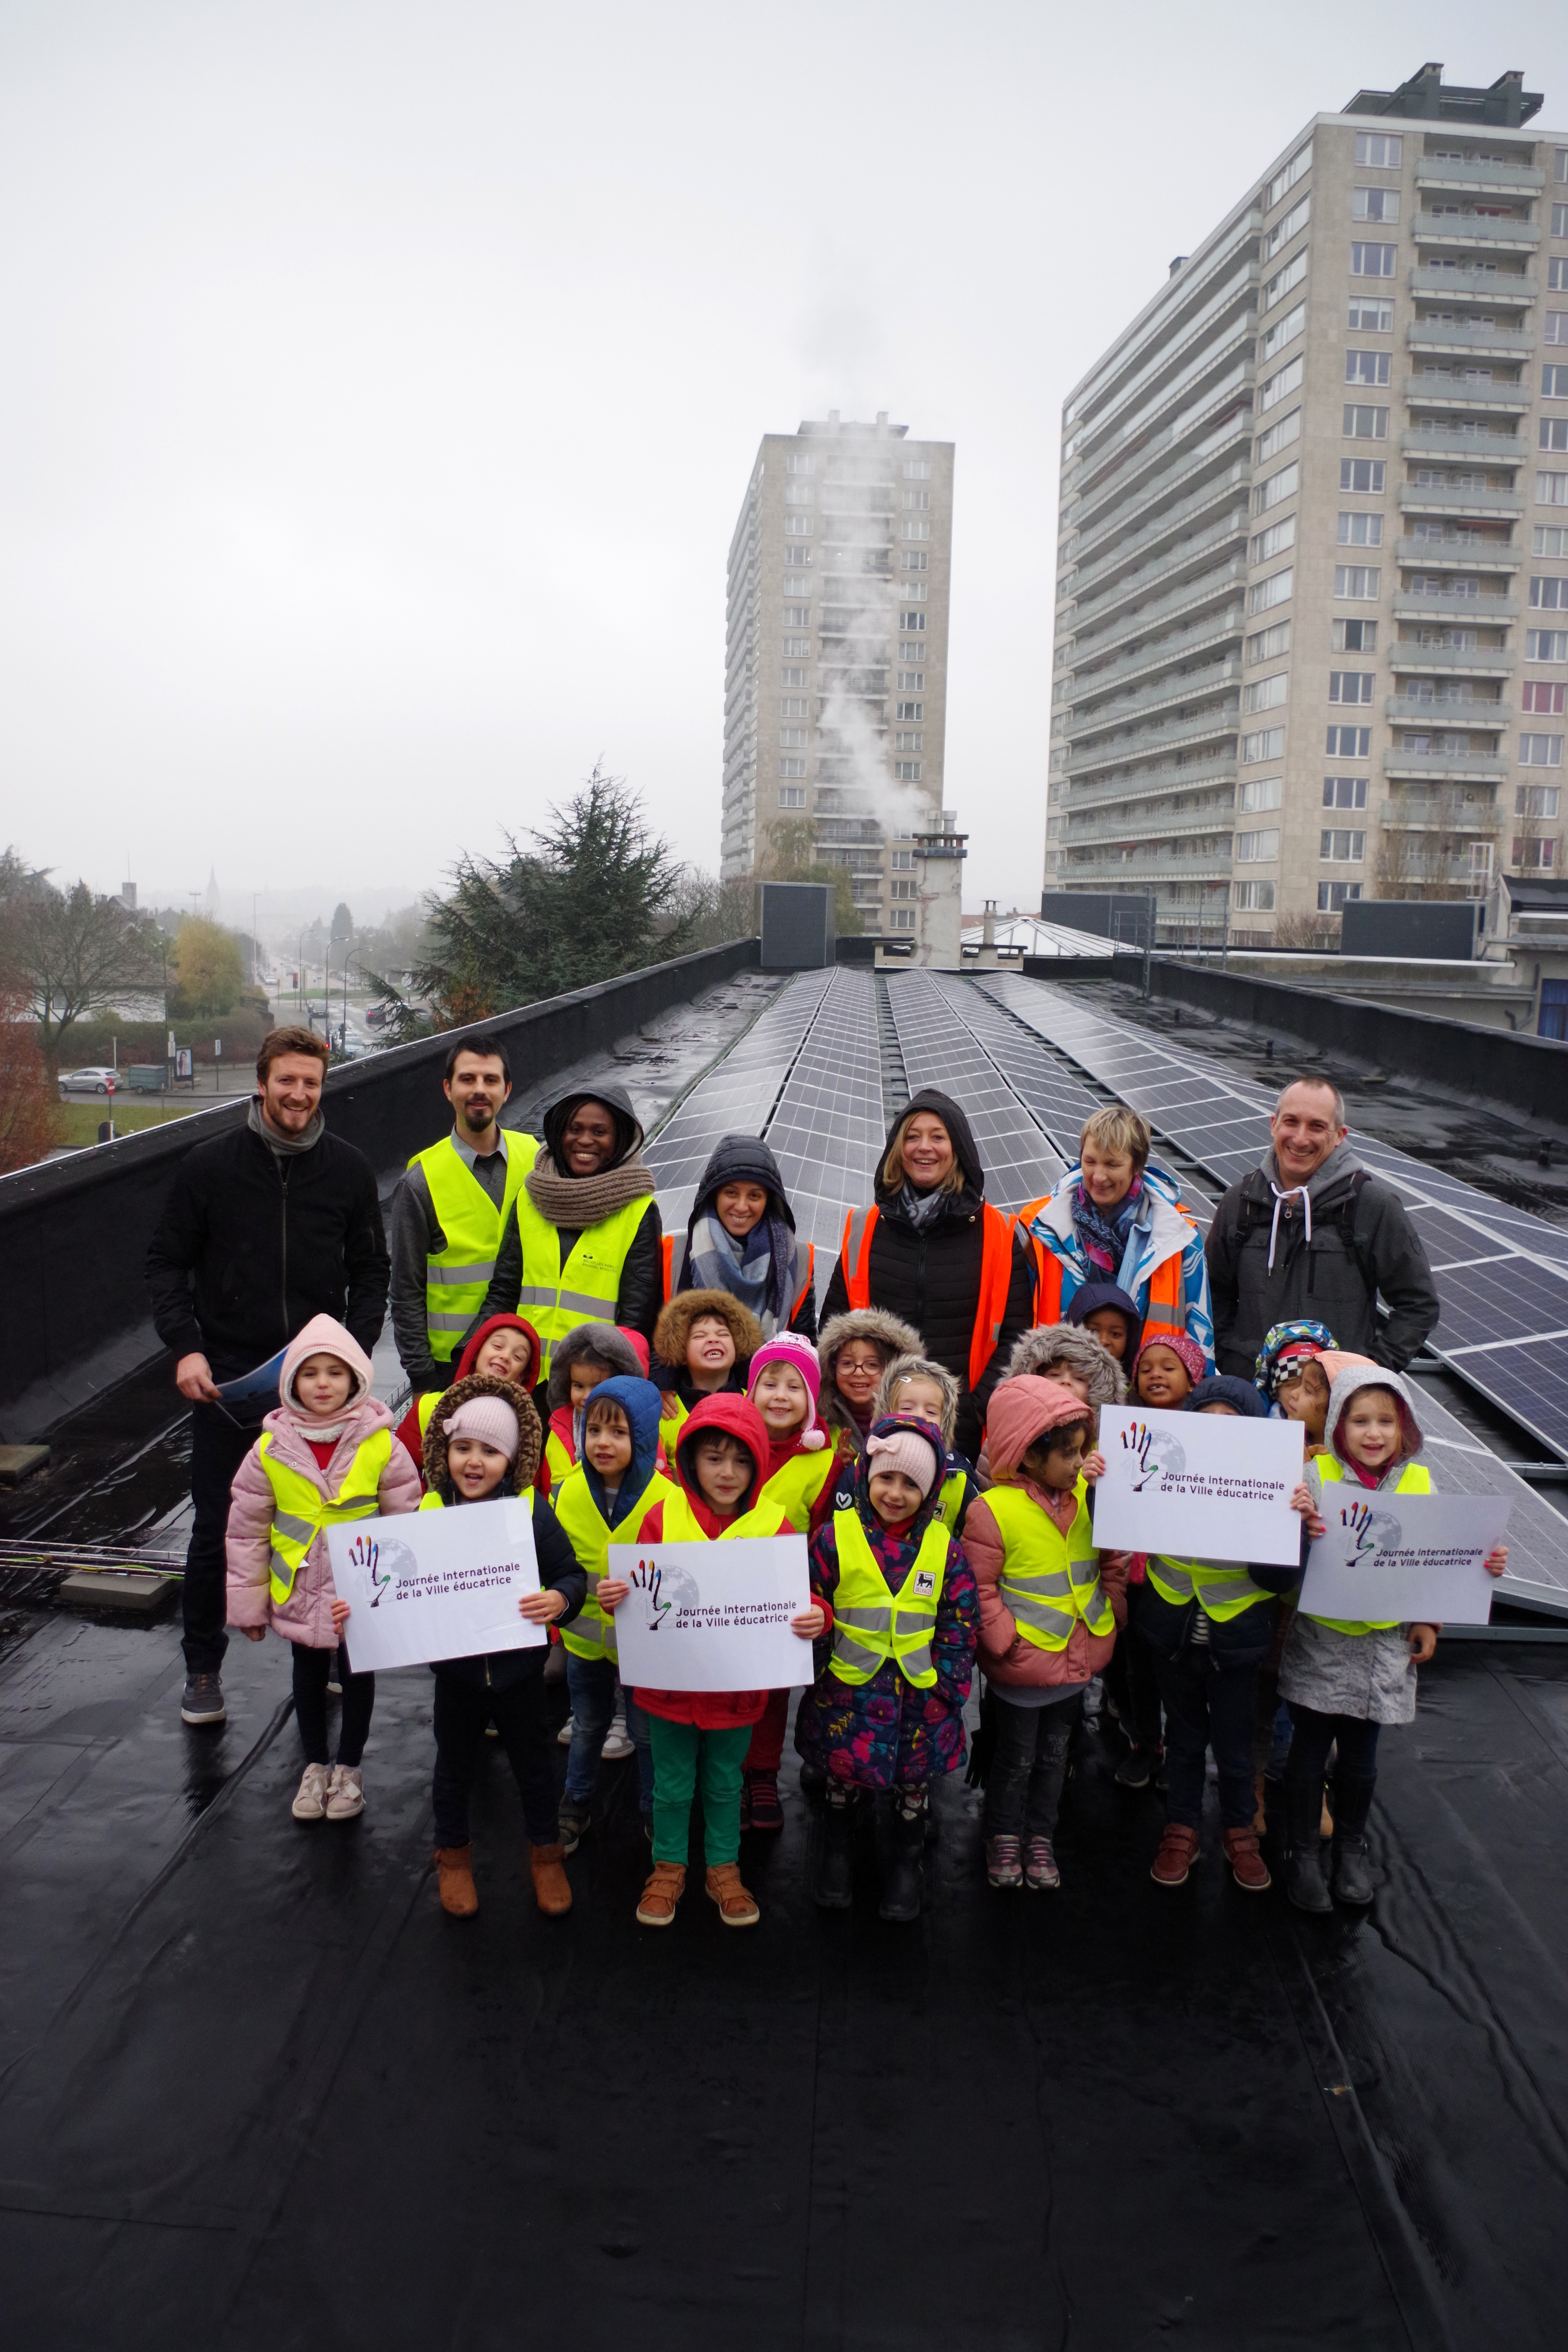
<point>74,1233</point>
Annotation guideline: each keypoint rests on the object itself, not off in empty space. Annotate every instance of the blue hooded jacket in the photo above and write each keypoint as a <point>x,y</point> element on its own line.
<point>638,1399</point>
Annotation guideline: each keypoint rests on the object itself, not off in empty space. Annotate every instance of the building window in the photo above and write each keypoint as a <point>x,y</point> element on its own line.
<point>1282,484</point>
<point>794,677</point>
<point>1536,800</point>
<point>911,739</point>
<point>1374,205</point>
<point>1545,646</point>
<point>1359,530</point>
<point>1372,260</point>
<point>1284,330</point>
<point>797,526</point>
<point>904,890</point>
<point>1284,381</point>
<point>1278,436</point>
<point>1258,896</point>
<point>916,469</point>
<point>1294,221</point>
<point>1561,168</point>
<point>790,737</point>
<point>1274,540</point>
<point>1554,386</point>
<point>911,680</point>
<point>1357,580</point>
<point>901,860</point>
<point>1540,751</point>
<point>916,501</point>
<point>1362,423</point>
<point>1261,793</point>
<point>1333,897</point>
<point>797,463</point>
<point>797,494</point>
<point>910,561</point>
<point>1368,317</point>
<point>1351,685</point>
<point>1349,742</point>
<point>1548,538</point>
<point>1557,274</point>
<point>910,711</point>
<point>1379,150</point>
<point>1345,791</point>
<point>797,617</point>
<point>1556,329</point>
<point>1284,280</point>
<point>794,706</point>
<point>1367,367</point>
<point>1285,179</point>
<point>1554,433</point>
<point>796,555</point>
<point>791,767</point>
<point>792,796</point>
<point>1266,644</point>
<point>1268,743</point>
<point>911,621</point>
<point>1355,637</point>
<point>1267,694</point>
<point>1549,595</point>
<point>1537,856</point>
<point>1362,474</point>
<point>917,531</point>
<point>1547,700</point>
<point>902,918</point>
<point>906,772</point>
<point>1552,489</point>
<point>1271,592</point>
<point>1257,849</point>
<point>1560,220</point>
<point>1342,848</point>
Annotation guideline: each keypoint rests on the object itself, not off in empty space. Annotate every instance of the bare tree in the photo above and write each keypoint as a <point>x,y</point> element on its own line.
<point>73,952</point>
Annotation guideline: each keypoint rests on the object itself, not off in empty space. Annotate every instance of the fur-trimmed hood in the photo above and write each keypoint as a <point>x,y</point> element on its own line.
<point>907,1367</point>
<point>672,1332</point>
<point>888,1332</point>
<point>529,1437</point>
<point>608,1342</point>
<point>1051,1345</point>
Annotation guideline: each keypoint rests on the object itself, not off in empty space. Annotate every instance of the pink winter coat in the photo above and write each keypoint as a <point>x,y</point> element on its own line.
<point>1021,1411</point>
<point>307,1615</point>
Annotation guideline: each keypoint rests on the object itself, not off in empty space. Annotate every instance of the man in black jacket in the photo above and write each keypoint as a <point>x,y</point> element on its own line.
<point>264,1228</point>
<point>1310,1233</point>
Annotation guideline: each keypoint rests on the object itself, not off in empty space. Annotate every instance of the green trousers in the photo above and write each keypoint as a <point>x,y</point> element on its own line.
<point>680,1752</point>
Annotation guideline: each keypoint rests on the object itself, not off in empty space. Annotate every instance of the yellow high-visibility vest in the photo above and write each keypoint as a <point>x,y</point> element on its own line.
<point>681,1524</point>
<point>556,1298</point>
<point>796,1486</point>
<point>1413,1479</point>
<point>1049,1581</point>
<point>592,1634</point>
<point>301,1511</point>
<point>871,1623</point>
<point>457,1277</point>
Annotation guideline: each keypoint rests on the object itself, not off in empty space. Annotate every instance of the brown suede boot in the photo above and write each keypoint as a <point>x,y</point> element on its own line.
<point>552,1887</point>
<point>662,1893</point>
<point>455,1864</point>
<point>1247,1866</point>
<point>1178,1852</point>
<point>736,1907</point>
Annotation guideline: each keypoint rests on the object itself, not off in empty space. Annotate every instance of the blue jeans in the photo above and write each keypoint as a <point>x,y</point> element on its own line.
<point>592,1685</point>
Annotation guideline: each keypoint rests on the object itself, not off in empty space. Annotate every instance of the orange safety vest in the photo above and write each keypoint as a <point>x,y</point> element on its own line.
<point>795,1305</point>
<point>1163,1312</point>
<point>996,1276</point>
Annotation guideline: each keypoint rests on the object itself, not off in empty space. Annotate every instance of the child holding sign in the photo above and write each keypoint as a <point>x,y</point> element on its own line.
<point>721,1463</point>
<point>326,1455</point>
<point>1342,1679</point>
<point>886,1710</point>
<point>785,1383</point>
<point>484,1440</point>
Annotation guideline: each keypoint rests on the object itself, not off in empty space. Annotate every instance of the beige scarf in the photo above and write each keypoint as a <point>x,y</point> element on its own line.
<point>578,1202</point>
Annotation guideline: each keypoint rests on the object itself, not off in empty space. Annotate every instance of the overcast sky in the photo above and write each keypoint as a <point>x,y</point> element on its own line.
<point>381,380</point>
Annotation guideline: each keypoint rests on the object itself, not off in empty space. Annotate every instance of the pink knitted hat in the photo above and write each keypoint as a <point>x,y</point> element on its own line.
<point>489,1419</point>
<point>907,1451</point>
<point>1188,1350</point>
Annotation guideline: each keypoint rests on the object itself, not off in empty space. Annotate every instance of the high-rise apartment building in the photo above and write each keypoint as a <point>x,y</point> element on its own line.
<point>1311,636</point>
<point>836,658</point>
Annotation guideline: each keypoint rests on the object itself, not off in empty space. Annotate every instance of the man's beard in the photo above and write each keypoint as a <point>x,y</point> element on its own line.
<point>478,1116</point>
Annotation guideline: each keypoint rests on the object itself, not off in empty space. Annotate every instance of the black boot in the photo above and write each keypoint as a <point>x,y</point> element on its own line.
<point>1304,1864</point>
<point>835,1888</point>
<point>906,1846</point>
<point>1353,1878</point>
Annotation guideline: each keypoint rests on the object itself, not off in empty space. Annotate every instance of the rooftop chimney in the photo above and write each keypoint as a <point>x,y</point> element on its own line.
<point>1180,263</point>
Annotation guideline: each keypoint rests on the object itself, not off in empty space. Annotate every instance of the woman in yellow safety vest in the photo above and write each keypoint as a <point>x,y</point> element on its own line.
<point>582,1243</point>
<point>886,1710</point>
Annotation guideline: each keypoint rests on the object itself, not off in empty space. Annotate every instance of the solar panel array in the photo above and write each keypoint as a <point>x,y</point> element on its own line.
<point>1502,1274</point>
<point>940,1050</point>
<point>735,1097</point>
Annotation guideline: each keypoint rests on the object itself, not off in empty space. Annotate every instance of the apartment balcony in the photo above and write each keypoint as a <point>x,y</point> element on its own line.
<point>1152,657</point>
<point>1204,334</point>
<point>1474,286</point>
<point>1186,550</point>
<point>1117,551</point>
<point>1423,816</point>
<point>1421,866</point>
<point>1233,342</point>
<point>1408,606</point>
<point>1098,520</point>
<point>1454,661</point>
<point>1432,498</point>
<point>1120,468</point>
<point>1122,749</point>
<point>1478,176</point>
<point>1457,391</point>
<point>1458,554</point>
<point>1151,827</point>
<point>1434,335</point>
<point>1155,783</point>
<point>1221,258</point>
<point>1477,441</point>
<point>1447,710</point>
<point>1212,865</point>
<point>1503,235</point>
<point>1193,595</point>
<point>1191,686</point>
<point>1446,767</point>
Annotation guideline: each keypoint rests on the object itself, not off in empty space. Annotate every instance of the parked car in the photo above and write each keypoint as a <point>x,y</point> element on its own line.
<point>102,1080</point>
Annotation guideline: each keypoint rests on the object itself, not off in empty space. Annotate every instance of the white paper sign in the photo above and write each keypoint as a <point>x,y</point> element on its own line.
<point>1403,1557</point>
<point>436,1584</point>
<point>713,1616</point>
<point>1199,1486</point>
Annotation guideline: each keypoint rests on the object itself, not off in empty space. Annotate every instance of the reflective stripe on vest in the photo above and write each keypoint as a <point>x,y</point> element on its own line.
<point>301,1511</point>
<point>457,1276</point>
<point>1049,1581</point>
<point>952,1496</point>
<point>674,1253</point>
<point>1047,1265</point>
<point>592,1635</point>
<point>1165,1309</point>
<point>995,1278</point>
<point>681,1525</point>
<point>871,1623</point>
<point>796,1486</point>
<point>1222,1588</point>
<point>556,1298</point>
<point>1413,1479</point>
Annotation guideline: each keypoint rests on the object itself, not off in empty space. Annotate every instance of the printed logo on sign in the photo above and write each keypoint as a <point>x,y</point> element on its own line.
<point>382,1561</point>
<point>663,1589</point>
<point>924,1581</point>
<point>1154,1455</point>
<point>1368,1532</point>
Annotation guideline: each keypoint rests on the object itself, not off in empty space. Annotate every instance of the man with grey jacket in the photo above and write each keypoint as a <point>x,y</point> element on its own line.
<point>1311,1234</point>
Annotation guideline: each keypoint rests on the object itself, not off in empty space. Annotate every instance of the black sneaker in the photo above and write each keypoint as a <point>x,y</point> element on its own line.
<point>575,1824</point>
<point>202,1700</point>
<point>1135,1770</point>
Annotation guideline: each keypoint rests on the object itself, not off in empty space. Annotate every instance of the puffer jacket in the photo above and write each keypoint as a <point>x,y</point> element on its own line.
<point>672,1335</point>
<point>503,1669</point>
<point>929,1277</point>
<point>1161,1234</point>
<point>1022,1410</point>
<point>746,1160</point>
<point>307,1615</point>
<point>710,1710</point>
<point>891,1336</point>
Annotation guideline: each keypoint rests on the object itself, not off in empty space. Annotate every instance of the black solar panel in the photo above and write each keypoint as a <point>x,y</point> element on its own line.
<point>736,1096</point>
<point>828,1130</point>
<point>938,1050</point>
<point>1047,1086</point>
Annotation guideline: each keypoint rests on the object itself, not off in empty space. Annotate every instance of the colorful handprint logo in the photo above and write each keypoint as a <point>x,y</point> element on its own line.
<point>1368,1530</point>
<point>382,1563</point>
<point>1154,1453</point>
<point>664,1587</point>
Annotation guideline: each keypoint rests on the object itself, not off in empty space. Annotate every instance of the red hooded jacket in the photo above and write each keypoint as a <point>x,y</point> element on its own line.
<point>710,1710</point>
<point>412,1436</point>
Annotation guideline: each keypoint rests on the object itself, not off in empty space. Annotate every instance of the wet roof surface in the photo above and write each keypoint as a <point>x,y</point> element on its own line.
<point>258,2089</point>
